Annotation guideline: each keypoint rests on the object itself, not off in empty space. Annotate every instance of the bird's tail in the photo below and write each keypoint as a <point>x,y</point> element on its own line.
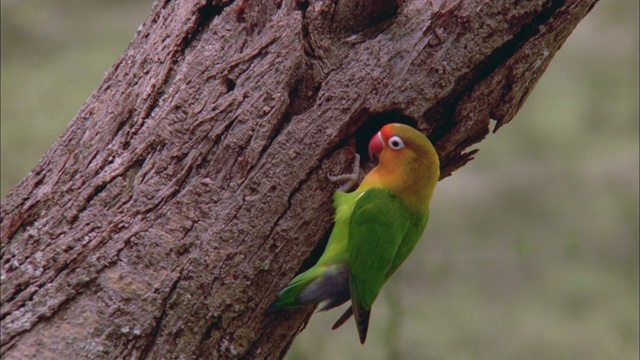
<point>328,284</point>
<point>346,316</point>
<point>362,322</point>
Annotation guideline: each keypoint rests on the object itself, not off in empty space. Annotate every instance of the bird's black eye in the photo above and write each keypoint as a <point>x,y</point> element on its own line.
<point>395,143</point>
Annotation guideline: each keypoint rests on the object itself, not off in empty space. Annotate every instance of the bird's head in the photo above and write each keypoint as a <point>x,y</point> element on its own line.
<point>408,163</point>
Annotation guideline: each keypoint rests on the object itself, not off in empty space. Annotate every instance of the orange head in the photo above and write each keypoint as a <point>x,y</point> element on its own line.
<point>408,165</point>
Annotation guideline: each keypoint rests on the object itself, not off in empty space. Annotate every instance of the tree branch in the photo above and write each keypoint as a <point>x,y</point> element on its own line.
<point>192,185</point>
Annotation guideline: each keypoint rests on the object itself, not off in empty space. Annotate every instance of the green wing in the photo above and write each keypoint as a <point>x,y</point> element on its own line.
<point>378,243</point>
<point>418,221</point>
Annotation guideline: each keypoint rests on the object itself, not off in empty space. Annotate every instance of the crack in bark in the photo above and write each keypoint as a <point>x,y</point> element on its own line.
<point>203,16</point>
<point>206,336</point>
<point>153,336</point>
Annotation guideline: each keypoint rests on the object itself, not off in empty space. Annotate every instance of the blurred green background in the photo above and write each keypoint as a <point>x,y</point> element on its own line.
<point>532,248</point>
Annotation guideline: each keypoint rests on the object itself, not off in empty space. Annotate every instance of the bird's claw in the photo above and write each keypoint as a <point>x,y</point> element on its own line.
<point>351,179</point>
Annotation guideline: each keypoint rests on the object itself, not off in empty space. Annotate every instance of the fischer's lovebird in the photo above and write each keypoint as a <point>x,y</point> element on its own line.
<point>376,228</point>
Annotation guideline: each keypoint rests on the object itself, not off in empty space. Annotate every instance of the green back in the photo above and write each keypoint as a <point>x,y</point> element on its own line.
<point>382,233</point>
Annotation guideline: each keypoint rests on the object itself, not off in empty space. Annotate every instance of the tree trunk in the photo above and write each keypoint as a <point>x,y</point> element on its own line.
<point>192,185</point>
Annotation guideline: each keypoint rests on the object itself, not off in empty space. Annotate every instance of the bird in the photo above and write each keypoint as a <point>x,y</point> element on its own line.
<point>376,228</point>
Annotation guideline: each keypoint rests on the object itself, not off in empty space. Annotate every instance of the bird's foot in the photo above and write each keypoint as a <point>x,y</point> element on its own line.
<point>351,179</point>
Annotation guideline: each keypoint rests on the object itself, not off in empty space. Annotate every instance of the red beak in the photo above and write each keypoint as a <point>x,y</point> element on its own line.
<point>376,145</point>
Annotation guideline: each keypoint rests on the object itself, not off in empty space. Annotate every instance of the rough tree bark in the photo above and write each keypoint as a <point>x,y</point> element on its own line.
<point>191,186</point>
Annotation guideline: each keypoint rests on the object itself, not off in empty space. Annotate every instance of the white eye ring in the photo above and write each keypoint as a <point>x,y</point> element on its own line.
<point>395,143</point>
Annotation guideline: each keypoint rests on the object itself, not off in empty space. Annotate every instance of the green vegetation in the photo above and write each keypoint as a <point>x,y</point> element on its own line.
<point>532,248</point>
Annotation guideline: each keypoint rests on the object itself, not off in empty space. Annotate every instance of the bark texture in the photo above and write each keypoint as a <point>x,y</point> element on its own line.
<point>191,186</point>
